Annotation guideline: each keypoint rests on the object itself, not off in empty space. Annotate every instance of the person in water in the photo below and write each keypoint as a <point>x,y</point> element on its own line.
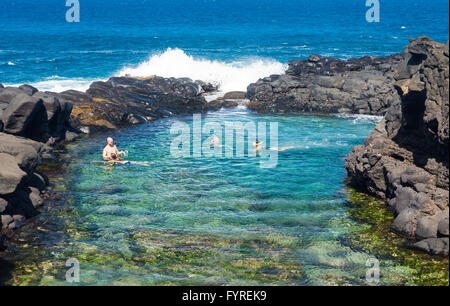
<point>110,151</point>
<point>215,141</point>
<point>258,146</point>
<point>112,155</point>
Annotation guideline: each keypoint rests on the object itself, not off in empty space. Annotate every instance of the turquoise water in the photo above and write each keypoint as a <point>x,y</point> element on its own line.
<point>213,221</point>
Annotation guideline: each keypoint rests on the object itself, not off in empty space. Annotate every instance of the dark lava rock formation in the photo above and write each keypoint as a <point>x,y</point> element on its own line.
<point>30,122</point>
<point>329,85</point>
<point>127,101</point>
<point>405,159</point>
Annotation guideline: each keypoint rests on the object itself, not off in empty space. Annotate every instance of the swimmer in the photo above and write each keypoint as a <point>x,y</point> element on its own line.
<point>112,155</point>
<point>258,146</point>
<point>215,141</point>
<point>110,151</point>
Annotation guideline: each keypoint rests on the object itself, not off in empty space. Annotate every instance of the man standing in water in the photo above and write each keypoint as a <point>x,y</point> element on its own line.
<point>110,152</point>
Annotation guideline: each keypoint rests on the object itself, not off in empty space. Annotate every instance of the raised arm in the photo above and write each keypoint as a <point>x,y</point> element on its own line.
<point>118,153</point>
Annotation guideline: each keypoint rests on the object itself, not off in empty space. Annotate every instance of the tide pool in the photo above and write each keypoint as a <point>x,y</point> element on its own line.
<point>219,221</point>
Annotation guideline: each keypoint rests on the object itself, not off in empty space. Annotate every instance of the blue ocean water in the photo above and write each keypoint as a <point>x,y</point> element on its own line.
<point>248,39</point>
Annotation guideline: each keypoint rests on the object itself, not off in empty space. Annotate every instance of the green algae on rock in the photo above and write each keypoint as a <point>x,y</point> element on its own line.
<point>379,240</point>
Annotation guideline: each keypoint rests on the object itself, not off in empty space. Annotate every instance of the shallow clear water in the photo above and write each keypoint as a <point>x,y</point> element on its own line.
<point>196,221</point>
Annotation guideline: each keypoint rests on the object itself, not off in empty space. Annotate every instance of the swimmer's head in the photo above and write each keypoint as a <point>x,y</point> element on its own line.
<point>113,156</point>
<point>215,139</point>
<point>110,141</point>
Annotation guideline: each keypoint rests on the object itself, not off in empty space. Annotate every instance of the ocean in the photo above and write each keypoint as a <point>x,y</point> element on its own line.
<point>228,42</point>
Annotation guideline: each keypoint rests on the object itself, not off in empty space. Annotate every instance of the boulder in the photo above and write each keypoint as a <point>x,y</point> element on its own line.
<point>37,180</point>
<point>8,94</point>
<point>435,246</point>
<point>10,174</point>
<point>55,114</point>
<point>34,196</point>
<point>427,227</point>
<point>24,151</point>
<point>235,95</point>
<point>23,202</point>
<point>28,89</point>
<point>6,220</point>
<point>443,227</point>
<point>3,205</point>
<point>25,116</point>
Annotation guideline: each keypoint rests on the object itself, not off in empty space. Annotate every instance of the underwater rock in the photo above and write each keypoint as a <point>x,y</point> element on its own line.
<point>328,85</point>
<point>235,95</point>
<point>435,246</point>
<point>405,159</point>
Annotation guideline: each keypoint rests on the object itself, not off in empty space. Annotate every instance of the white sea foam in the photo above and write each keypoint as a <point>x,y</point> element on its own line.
<point>230,76</point>
<point>60,84</point>
<point>357,118</point>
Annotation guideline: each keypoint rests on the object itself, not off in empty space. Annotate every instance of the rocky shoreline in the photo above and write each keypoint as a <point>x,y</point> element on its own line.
<point>404,160</point>
<point>329,85</point>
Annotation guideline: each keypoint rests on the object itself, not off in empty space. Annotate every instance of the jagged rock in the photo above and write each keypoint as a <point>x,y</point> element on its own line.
<point>207,88</point>
<point>128,101</point>
<point>405,159</point>
<point>328,85</point>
